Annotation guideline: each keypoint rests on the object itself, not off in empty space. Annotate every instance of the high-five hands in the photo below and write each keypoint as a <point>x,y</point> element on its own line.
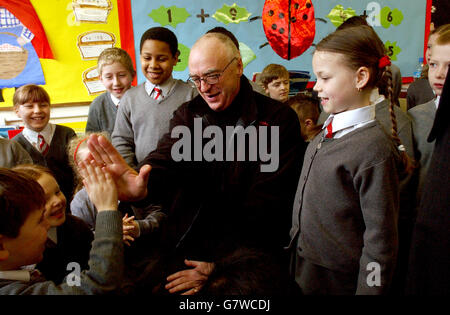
<point>131,186</point>
<point>99,186</point>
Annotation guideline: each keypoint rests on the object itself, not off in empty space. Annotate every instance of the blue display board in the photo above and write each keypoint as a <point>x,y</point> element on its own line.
<point>399,23</point>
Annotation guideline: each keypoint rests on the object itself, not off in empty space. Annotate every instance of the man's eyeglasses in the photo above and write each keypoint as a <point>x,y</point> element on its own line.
<point>210,78</point>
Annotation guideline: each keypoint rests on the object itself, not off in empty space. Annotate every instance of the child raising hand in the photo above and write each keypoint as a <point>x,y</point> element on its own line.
<point>105,272</point>
<point>143,222</point>
<point>99,186</point>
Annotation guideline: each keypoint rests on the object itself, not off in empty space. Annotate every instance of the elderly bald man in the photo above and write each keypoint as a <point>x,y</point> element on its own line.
<point>215,204</point>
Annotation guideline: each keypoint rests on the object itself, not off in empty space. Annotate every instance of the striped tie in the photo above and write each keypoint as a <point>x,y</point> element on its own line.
<point>156,93</point>
<point>43,146</point>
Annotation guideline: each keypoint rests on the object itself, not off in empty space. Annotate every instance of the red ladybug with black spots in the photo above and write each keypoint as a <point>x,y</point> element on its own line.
<point>289,26</point>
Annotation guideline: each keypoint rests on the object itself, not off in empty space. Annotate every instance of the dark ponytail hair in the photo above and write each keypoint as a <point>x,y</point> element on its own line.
<point>361,47</point>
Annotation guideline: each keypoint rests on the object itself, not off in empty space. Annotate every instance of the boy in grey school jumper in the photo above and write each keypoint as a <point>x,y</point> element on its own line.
<point>423,115</point>
<point>145,111</point>
<point>116,73</point>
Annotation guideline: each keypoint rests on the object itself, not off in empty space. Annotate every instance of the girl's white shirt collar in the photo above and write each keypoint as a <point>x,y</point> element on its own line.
<point>32,136</point>
<point>350,120</point>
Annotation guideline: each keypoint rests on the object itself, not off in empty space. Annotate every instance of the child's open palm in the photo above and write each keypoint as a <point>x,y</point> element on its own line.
<point>100,186</point>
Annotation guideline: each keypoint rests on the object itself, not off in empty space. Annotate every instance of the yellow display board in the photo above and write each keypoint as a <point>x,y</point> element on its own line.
<point>64,74</point>
<point>78,127</point>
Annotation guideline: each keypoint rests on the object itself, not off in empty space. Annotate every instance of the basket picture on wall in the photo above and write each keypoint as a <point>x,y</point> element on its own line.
<point>13,59</point>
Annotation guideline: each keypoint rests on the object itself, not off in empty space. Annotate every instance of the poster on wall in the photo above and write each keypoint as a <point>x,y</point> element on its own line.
<point>22,42</point>
<point>62,53</point>
<point>76,32</point>
<point>283,31</point>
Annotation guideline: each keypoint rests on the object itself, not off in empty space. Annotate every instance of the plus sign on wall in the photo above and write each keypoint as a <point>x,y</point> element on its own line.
<point>202,15</point>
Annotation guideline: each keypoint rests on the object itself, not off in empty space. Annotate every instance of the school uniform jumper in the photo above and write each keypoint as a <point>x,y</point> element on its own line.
<point>345,213</point>
<point>429,272</point>
<point>73,244</point>
<point>102,114</point>
<point>419,92</point>
<point>142,120</point>
<point>56,159</point>
<point>12,154</point>
<point>148,219</point>
<point>422,118</point>
<point>105,271</point>
<point>407,186</point>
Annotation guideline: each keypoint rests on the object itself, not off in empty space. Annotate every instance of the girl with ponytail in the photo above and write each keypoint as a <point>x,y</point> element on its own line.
<point>344,237</point>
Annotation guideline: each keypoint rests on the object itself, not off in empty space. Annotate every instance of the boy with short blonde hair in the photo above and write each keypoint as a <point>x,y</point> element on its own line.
<point>116,71</point>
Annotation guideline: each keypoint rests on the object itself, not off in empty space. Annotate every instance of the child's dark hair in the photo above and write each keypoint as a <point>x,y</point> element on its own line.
<point>356,20</point>
<point>246,272</point>
<point>224,31</point>
<point>162,34</point>
<point>272,72</point>
<point>20,195</point>
<point>360,47</point>
<point>30,93</point>
<point>35,171</point>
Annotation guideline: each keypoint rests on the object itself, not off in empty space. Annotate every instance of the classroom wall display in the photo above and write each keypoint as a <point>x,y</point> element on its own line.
<point>91,44</point>
<point>270,31</point>
<point>22,42</point>
<point>91,80</point>
<point>95,11</point>
<point>262,27</point>
<point>77,31</point>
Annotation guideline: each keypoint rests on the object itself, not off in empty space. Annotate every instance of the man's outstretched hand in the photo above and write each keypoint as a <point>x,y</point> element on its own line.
<point>131,186</point>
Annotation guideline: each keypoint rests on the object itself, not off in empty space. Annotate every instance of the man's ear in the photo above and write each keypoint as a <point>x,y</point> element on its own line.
<point>240,67</point>
<point>4,253</point>
<point>362,77</point>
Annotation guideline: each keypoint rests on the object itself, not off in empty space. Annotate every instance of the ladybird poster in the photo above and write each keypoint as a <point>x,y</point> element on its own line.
<point>283,31</point>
